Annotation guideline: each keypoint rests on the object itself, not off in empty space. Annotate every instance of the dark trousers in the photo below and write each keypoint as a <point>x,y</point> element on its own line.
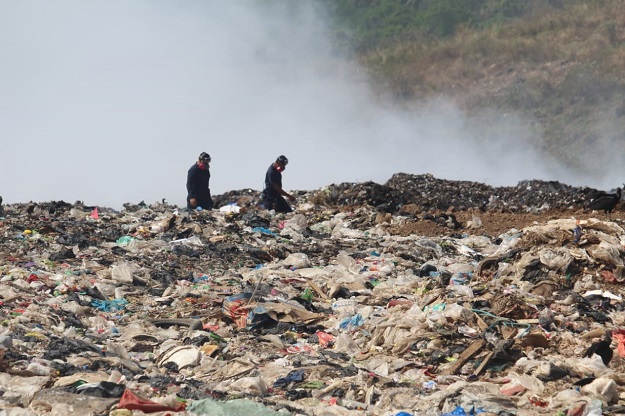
<point>277,203</point>
<point>204,202</point>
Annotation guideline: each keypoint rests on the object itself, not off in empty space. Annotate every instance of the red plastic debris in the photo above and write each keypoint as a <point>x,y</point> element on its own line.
<point>324,338</point>
<point>619,335</point>
<point>537,401</point>
<point>131,401</point>
<point>608,276</point>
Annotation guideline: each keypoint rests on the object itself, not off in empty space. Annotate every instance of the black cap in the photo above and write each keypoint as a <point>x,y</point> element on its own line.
<point>205,156</point>
<point>282,159</point>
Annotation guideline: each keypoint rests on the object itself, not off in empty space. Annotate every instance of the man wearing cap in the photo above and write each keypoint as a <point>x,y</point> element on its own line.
<point>198,190</point>
<point>272,196</point>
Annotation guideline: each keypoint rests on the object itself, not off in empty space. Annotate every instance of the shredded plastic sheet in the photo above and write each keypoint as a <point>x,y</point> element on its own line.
<point>237,407</point>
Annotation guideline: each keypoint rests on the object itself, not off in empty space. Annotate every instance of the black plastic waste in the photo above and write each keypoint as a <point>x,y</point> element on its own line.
<point>294,376</point>
<point>61,348</point>
<point>62,255</point>
<point>104,389</point>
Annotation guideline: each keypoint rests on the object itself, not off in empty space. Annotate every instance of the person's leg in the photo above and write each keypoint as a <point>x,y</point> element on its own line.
<point>282,206</point>
<point>266,202</point>
<point>204,202</point>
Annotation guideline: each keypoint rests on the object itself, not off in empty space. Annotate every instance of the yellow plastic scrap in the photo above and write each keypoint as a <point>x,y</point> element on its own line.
<point>37,335</point>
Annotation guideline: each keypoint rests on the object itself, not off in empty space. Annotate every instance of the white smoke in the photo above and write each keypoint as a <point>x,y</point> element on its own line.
<point>111,102</point>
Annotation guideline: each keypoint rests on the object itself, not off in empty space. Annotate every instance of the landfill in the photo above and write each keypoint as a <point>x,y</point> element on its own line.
<point>392,299</point>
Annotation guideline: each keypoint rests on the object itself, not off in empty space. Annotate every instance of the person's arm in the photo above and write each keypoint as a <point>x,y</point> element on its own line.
<point>282,192</point>
<point>191,188</point>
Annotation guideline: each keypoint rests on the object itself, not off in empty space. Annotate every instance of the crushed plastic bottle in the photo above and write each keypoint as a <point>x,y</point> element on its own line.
<point>307,295</point>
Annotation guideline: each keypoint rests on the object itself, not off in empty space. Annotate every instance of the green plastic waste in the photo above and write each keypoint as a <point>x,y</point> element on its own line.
<point>217,338</point>
<point>312,385</point>
<point>307,295</point>
<point>124,241</point>
<point>237,407</point>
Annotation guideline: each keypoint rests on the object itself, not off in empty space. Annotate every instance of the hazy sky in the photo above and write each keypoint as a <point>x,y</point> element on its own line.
<point>112,101</point>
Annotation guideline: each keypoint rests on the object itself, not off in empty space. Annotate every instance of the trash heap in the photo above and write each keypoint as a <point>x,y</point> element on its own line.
<point>324,311</point>
<point>432,194</point>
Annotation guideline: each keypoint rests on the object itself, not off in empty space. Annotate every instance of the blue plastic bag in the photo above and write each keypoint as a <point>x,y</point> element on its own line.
<point>109,305</point>
<point>459,411</point>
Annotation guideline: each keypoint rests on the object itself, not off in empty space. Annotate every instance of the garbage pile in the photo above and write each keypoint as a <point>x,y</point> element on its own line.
<point>323,311</point>
<point>434,194</point>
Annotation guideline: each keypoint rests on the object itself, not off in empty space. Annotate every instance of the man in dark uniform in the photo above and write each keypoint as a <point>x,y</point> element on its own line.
<point>198,190</point>
<point>272,197</point>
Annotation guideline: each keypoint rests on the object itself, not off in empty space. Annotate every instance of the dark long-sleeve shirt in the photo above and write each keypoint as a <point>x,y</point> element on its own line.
<point>272,177</point>
<point>198,187</point>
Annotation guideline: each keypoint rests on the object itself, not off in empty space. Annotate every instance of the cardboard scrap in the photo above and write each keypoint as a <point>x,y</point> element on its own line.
<point>465,356</point>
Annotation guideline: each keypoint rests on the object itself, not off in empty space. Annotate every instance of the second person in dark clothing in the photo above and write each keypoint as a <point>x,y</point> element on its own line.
<point>198,189</point>
<point>273,194</point>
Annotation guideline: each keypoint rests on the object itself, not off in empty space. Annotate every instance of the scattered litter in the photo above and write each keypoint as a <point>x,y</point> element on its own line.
<point>335,309</point>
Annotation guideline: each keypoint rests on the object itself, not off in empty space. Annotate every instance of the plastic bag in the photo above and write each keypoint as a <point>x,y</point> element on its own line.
<point>297,260</point>
<point>210,407</point>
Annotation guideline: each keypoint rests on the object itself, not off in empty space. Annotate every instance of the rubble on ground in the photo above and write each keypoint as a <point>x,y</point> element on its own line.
<point>328,310</point>
<point>432,194</point>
